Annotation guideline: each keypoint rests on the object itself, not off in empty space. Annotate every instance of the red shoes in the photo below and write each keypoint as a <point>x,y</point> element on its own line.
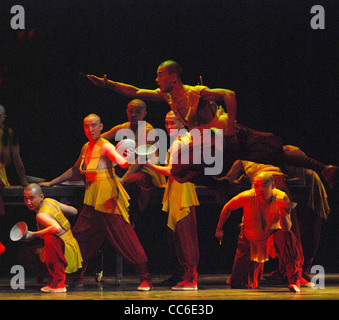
<point>186,286</point>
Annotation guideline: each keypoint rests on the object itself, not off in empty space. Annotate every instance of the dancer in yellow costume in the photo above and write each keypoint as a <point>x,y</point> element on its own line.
<point>61,250</point>
<point>105,210</point>
<point>179,201</point>
<point>138,180</point>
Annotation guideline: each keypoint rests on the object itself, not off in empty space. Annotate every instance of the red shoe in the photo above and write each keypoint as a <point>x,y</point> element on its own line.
<point>54,288</point>
<point>145,285</point>
<point>294,288</point>
<point>186,286</point>
<point>2,248</point>
<point>306,283</point>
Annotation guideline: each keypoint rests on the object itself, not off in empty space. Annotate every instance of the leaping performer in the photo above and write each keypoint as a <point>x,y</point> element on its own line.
<point>196,107</point>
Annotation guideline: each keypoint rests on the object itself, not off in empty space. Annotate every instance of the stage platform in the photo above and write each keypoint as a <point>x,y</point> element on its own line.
<point>211,287</point>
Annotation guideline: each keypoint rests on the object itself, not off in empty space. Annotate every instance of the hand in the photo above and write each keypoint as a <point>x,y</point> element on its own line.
<point>30,235</point>
<point>129,155</point>
<point>100,82</point>
<point>219,234</point>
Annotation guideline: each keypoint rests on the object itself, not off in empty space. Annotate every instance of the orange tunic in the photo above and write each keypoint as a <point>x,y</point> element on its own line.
<point>259,226</point>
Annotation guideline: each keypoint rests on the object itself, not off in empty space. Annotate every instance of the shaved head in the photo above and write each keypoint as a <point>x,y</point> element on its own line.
<point>93,116</point>
<point>172,67</point>
<point>34,187</point>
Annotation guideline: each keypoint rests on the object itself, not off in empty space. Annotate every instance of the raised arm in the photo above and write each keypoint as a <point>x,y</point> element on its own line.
<point>125,89</point>
<point>109,151</point>
<point>230,101</point>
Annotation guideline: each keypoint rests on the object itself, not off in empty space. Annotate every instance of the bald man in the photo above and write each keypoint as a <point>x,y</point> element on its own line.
<point>265,232</point>
<point>105,210</point>
<point>192,104</point>
<point>61,250</point>
<point>138,180</point>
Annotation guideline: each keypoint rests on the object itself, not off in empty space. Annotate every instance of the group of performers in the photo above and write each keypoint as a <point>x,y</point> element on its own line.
<point>111,205</point>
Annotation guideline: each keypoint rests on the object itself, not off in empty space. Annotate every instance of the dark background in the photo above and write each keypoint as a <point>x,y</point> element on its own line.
<point>283,72</point>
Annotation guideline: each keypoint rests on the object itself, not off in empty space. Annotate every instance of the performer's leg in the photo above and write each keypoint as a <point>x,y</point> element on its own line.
<point>124,239</point>
<point>187,250</point>
<point>139,187</point>
<point>310,227</point>
<point>245,273</point>
<point>289,255</point>
<point>56,263</point>
<point>89,231</point>
<point>177,269</point>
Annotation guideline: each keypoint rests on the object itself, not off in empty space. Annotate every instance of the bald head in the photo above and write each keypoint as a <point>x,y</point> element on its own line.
<point>93,116</point>
<point>172,67</point>
<point>34,187</point>
<point>264,176</point>
<point>137,103</point>
<point>263,186</point>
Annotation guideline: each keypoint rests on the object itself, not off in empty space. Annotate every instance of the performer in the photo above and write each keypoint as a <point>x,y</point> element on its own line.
<point>265,232</point>
<point>138,180</point>
<point>192,105</point>
<point>310,214</point>
<point>9,151</point>
<point>61,250</point>
<point>105,210</point>
<point>179,201</point>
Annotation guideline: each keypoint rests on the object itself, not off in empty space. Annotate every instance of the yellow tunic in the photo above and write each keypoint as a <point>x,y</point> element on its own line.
<point>178,197</point>
<point>3,176</point>
<point>103,191</point>
<point>72,249</point>
<point>157,178</point>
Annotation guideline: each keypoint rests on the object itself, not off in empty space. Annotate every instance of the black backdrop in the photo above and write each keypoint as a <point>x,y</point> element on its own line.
<point>283,72</point>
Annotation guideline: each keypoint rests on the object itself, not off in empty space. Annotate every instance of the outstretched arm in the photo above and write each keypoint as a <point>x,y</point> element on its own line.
<point>125,89</point>
<point>65,176</point>
<point>236,203</point>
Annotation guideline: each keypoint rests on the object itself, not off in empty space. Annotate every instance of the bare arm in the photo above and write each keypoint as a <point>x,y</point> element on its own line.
<point>165,170</point>
<point>285,217</point>
<point>125,89</point>
<point>50,224</point>
<point>110,134</point>
<point>65,176</point>
<point>235,171</point>
<point>66,209</point>
<point>109,151</point>
<point>235,203</point>
<point>230,101</point>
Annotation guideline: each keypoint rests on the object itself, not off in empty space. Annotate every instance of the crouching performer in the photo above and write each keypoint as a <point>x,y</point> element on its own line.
<point>265,232</point>
<point>61,250</point>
